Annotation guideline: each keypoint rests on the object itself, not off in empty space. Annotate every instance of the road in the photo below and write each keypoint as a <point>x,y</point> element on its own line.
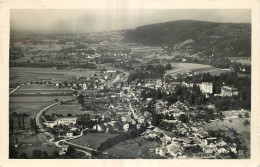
<point>14,90</point>
<point>38,116</point>
<point>44,133</point>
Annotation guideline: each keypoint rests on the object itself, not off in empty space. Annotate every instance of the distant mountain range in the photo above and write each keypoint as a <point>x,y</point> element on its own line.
<point>196,37</point>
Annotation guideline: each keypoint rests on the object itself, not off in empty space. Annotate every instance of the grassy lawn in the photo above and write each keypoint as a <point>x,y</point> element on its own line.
<point>131,149</point>
<point>92,139</point>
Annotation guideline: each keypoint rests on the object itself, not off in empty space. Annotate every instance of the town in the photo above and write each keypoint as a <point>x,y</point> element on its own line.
<point>93,96</point>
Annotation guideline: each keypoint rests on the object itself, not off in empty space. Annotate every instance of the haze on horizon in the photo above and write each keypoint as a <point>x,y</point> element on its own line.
<point>94,20</point>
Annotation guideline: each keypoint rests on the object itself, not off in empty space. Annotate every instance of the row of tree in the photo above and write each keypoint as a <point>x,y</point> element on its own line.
<point>36,154</point>
<point>20,122</point>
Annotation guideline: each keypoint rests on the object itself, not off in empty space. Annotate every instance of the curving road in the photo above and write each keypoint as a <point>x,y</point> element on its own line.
<point>44,133</point>
<point>38,116</point>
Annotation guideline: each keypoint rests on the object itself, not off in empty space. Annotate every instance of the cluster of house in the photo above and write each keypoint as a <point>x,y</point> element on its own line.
<point>124,117</point>
<point>67,128</point>
<point>187,137</point>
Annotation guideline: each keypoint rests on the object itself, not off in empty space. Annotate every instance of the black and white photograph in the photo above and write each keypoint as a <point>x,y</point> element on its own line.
<point>130,84</point>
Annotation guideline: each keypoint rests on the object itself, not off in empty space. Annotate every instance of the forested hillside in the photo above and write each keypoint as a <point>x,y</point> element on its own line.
<point>196,37</point>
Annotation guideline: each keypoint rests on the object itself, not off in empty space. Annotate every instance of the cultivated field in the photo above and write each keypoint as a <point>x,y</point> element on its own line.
<point>242,60</point>
<point>22,74</point>
<point>180,68</point>
<point>130,148</point>
<point>41,90</point>
<point>92,139</point>
<point>72,108</point>
<point>30,105</point>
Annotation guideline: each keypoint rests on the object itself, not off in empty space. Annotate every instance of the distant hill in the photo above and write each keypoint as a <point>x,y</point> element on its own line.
<point>196,37</point>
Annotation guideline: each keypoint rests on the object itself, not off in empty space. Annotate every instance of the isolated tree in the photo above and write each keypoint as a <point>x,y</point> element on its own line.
<point>191,99</point>
<point>246,115</point>
<point>45,155</point>
<point>19,121</point>
<point>11,126</point>
<point>14,114</point>
<point>70,150</point>
<point>55,154</point>
<point>32,125</point>
<point>23,121</point>
<point>81,99</point>
<point>75,93</point>
<point>12,152</point>
<point>246,123</point>
<point>240,116</point>
<point>168,66</point>
<point>183,118</point>
<point>35,126</point>
<point>155,119</point>
<point>36,154</point>
<point>23,156</point>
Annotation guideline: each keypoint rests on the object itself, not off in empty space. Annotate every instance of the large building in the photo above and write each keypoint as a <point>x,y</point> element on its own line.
<point>206,87</point>
<point>61,121</point>
<point>228,91</point>
<point>66,120</point>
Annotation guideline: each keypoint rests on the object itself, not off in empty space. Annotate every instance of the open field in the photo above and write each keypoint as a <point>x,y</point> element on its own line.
<point>180,68</point>
<point>41,87</point>
<point>130,148</point>
<point>236,124</point>
<point>22,74</point>
<point>36,142</point>
<point>42,90</point>
<point>242,60</point>
<point>30,105</point>
<point>71,108</point>
<point>92,139</point>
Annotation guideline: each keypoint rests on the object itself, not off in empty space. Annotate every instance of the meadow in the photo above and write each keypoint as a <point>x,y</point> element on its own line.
<point>92,139</point>
<point>36,142</point>
<point>23,74</point>
<point>235,124</point>
<point>180,68</point>
<point>134,150</point>
<point>67,108</point>
<point>30,105</point>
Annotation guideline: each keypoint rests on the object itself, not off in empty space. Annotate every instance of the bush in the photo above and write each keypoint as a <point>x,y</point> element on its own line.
<point>246,115</point>
<point>246,123</point>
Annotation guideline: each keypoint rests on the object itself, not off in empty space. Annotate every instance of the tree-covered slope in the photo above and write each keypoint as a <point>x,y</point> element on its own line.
<point>221,39</point>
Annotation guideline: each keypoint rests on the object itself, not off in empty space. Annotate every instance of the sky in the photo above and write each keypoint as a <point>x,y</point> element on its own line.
<point>95,20</point>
